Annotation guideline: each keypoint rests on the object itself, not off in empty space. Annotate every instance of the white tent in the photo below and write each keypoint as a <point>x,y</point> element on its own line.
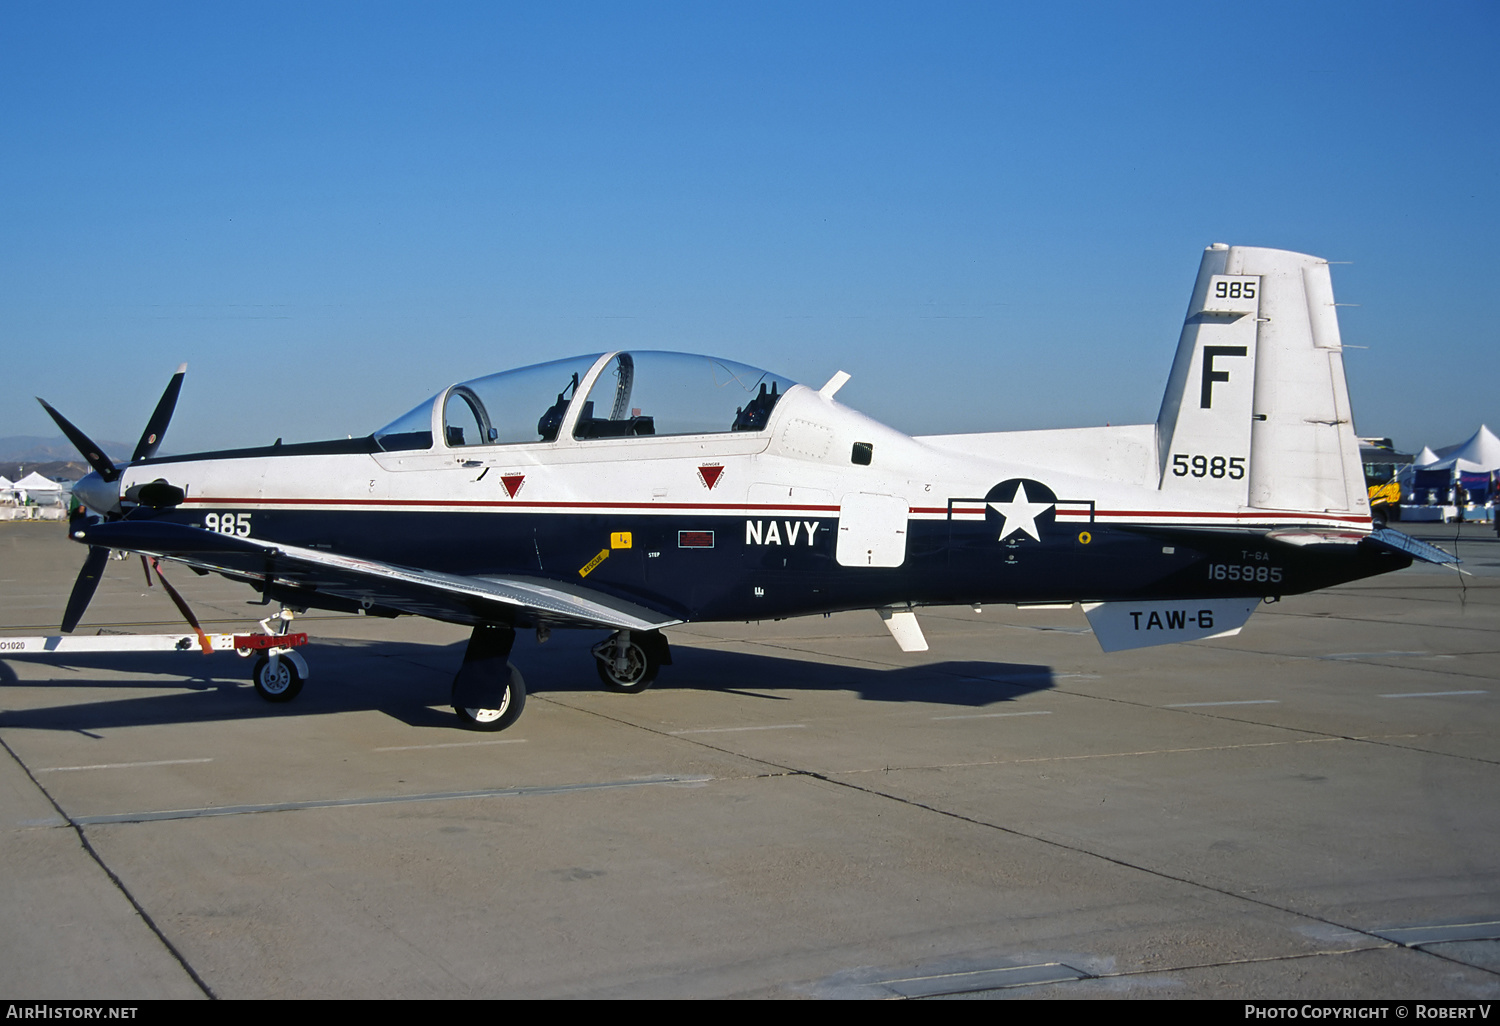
<point>36,488</point>
<point>7,489</point>
<point>1425,458</point>
<point>1479,455</point>
<point>34,482</point>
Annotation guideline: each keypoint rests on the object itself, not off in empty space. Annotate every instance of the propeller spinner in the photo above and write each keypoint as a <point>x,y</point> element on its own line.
<point>100,490</point>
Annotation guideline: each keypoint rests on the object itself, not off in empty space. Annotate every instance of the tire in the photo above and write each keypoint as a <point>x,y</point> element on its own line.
<point>283,686</point>
<point>644,662</point>
<point>510,707</point>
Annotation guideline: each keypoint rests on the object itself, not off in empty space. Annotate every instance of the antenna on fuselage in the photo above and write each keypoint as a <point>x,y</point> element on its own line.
<point>834,384</point>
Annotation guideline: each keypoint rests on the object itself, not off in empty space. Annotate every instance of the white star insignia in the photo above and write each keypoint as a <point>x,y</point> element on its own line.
<point>1020,513</point>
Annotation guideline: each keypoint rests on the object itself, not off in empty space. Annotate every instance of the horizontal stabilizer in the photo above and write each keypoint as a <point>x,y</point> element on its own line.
<point>1301,537</point>
<point>1123,625</point>
<point>1398,542</point>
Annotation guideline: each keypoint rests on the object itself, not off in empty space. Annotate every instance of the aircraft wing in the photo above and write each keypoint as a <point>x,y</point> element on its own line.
<point>357,583</point>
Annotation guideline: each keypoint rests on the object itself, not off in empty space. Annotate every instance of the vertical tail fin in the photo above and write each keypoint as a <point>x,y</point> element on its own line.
<point>1256,411</point>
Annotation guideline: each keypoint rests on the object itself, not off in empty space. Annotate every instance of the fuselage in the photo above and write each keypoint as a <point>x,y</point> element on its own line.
<point>817,508</point>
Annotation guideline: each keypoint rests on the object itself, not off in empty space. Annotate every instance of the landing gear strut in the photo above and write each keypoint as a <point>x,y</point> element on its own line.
<point>628,661</point>
<point>488,692</point>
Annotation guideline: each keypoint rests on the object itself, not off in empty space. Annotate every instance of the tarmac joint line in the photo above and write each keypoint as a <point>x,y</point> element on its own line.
<point>89,849</point>
<point>394,799</point>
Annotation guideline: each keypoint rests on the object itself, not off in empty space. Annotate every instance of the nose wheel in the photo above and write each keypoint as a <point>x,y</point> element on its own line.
<point>276,679</point>
<point>279,672</point>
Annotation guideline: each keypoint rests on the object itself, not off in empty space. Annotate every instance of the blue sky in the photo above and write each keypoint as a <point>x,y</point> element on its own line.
<point>990,214</point>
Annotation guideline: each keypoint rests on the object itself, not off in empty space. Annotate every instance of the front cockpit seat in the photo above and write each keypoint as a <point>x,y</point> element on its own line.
<point>551,421</point>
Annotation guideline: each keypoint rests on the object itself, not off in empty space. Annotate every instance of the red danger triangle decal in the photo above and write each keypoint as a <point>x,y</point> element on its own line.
<point>710,475</point>
<point>512,483</point>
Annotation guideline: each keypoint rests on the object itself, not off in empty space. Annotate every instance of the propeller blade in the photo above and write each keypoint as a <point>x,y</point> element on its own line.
<point>83,588</point>
<point>156,427</point>
<point>101,463</point>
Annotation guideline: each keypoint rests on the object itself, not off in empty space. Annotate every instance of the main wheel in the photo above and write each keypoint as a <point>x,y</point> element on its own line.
<point>509,710</point>
<point>283,685</point>
<point>640,669</point>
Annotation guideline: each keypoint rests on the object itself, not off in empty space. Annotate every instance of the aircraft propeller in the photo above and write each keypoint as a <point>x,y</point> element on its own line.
<point>94,490</point>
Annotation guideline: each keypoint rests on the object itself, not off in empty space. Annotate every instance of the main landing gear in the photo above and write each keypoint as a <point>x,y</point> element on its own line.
<point>488,692</point>
<point>628,661</point>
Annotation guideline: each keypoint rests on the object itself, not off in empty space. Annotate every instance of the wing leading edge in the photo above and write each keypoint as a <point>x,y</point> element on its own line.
<point>371,584</point>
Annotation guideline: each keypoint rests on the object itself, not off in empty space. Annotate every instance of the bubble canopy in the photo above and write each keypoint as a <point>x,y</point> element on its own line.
<point>626,394</point>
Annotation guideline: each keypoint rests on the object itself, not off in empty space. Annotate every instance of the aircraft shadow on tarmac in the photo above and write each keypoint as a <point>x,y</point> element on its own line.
<point>406,681</point>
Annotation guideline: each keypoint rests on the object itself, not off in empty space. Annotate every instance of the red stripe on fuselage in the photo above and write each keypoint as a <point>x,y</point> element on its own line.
<point>1073,511</point>
<point>500,503</point>
<point>1099,514</point>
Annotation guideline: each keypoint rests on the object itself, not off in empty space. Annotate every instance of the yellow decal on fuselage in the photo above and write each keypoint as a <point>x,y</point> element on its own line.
<point>589,566</point>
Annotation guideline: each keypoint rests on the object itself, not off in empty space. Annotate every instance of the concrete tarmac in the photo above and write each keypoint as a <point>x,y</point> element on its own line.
<point>796,809</point>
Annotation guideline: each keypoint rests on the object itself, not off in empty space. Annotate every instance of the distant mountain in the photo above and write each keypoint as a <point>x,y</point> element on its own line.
<point>51,457</point>
<point>56,470</point>
<point>34,449</point>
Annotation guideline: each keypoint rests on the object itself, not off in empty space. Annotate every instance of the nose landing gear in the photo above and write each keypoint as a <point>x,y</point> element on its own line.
<point>279,673</point>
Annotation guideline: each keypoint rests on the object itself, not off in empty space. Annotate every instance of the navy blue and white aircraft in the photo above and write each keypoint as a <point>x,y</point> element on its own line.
<point>631,491</point>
